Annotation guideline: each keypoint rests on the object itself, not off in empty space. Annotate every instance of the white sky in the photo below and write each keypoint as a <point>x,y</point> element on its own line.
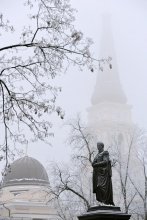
<point>129,29</point>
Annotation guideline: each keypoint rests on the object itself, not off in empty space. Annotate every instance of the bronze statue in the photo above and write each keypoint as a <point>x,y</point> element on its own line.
<point>102,184</point>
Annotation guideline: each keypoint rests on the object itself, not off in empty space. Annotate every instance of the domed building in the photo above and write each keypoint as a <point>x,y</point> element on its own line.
<point>25,192</point>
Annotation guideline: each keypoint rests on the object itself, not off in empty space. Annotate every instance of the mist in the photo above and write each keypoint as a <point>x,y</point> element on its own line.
<point>129,29</point>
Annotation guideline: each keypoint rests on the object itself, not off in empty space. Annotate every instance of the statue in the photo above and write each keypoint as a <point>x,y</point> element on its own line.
<point>102,184</point>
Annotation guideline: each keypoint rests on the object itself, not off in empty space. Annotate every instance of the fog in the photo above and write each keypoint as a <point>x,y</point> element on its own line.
<point>129,29</point>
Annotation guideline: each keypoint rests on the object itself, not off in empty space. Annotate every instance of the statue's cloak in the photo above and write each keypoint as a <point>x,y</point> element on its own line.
<point>102,184</point>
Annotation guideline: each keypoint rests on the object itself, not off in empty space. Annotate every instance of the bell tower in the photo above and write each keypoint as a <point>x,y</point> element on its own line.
<point>109,114</point>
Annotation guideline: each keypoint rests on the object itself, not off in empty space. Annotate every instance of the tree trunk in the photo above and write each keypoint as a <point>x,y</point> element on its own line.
<point>145,210</point>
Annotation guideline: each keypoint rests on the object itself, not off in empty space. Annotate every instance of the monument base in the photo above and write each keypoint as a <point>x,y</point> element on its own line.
<point>104,213</point>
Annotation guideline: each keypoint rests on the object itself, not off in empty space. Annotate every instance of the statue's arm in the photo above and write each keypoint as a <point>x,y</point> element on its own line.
<point>102,163</point>
<point>94,163</point>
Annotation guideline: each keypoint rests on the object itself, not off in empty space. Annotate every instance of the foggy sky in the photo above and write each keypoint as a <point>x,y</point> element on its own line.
<point>129,28</point>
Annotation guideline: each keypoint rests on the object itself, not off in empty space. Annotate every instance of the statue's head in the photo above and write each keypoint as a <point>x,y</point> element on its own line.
<point>100,146</point>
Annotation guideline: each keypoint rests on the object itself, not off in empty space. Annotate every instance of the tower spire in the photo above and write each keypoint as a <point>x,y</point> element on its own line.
<point>109,111</point>
<point>108,87</point>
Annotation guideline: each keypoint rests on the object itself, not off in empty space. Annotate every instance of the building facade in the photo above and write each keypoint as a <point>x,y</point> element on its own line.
<point>25,192</point>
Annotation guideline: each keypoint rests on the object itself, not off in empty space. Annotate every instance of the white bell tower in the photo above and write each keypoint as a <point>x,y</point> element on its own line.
<point>109,114</point>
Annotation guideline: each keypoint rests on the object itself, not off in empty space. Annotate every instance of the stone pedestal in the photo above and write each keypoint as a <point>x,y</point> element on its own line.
<point>104,213</point>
